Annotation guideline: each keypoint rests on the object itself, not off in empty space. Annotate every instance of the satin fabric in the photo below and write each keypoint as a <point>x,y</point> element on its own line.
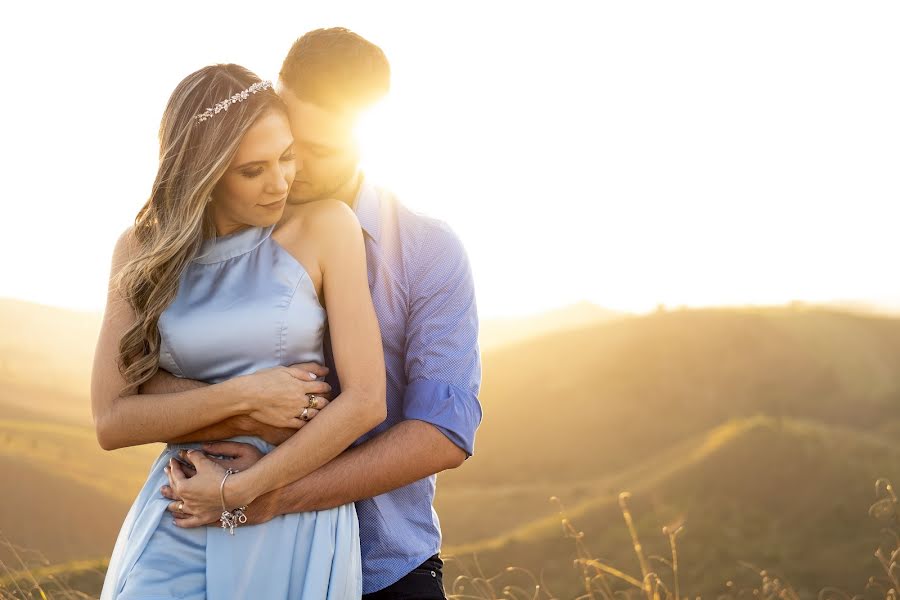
<point>244,304</point>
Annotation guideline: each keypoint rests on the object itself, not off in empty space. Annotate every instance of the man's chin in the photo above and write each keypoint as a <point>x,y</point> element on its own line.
<point>299,197</point>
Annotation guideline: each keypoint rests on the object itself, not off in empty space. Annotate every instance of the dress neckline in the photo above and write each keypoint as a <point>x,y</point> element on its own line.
<point>222,248</point>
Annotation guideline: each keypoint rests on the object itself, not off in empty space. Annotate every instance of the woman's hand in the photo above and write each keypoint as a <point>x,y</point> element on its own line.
<point>279,395</point>
<point>230,455</point>
<point>199,498</point>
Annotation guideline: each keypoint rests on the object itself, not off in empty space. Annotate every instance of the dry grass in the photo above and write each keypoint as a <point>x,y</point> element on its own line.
<point>659,576</point>
<point>31,577</point>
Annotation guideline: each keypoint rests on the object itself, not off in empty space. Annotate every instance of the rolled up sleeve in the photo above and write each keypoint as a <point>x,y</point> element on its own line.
<point>443,363</point>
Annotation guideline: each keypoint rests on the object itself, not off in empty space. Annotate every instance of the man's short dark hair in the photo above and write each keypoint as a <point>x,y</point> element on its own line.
<point>336,69</point>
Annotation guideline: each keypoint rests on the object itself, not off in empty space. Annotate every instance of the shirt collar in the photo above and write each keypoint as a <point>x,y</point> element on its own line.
<point>366,206</point>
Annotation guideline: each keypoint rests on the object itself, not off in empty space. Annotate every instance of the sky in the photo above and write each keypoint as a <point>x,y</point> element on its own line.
<point>628,154</point>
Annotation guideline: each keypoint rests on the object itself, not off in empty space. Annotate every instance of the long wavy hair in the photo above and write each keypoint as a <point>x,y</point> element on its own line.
<point>171,226</point>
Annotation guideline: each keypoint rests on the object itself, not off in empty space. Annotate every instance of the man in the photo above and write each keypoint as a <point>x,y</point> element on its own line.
<point>423,293</point>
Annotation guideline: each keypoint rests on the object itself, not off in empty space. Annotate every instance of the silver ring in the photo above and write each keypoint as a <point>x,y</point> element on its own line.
<point>304,416</point>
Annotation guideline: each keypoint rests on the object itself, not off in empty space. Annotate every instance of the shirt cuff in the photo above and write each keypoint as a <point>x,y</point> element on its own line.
<point>454,411</point>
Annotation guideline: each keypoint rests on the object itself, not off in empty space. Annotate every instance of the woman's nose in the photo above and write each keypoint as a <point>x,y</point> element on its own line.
<point>280,184</point>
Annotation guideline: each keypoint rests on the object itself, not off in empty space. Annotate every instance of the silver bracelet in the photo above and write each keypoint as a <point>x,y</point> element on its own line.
<point>230,518</point>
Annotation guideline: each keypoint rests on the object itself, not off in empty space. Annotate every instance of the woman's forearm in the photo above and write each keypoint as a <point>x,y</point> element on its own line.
<point>145,418</point>
<point>334,429</point>
<point>166,383</point>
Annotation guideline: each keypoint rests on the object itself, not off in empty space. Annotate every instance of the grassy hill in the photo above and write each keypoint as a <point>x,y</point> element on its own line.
<point>568,410</point>
<point>763,429</point>
<point>787,495</point>
<point>45,360</point>
<point>75,580</point>
<point>581,404</point>
<point>65,498</point>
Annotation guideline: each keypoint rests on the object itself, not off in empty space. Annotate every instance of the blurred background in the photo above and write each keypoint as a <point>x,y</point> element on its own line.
<point>681,218</point>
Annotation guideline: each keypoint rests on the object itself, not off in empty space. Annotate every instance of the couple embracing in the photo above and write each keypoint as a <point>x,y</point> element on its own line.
<point>305,346</point>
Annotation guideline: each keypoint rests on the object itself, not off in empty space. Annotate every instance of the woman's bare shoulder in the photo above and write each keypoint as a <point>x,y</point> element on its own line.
<point>330,212</point>
<point>126,246</point>
<point>323,221</point>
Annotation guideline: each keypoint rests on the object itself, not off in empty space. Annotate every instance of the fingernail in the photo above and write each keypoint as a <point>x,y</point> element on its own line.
<point>166,468</point>
<point>312,375</point>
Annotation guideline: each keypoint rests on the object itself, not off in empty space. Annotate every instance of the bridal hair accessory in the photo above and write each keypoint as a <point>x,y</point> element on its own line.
<point>230,518</point>
<point>238,97</point>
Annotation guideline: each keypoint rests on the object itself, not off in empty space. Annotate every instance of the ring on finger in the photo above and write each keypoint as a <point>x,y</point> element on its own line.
<point>313,401</point>
<point>304,416</point>
<point>180,506</point>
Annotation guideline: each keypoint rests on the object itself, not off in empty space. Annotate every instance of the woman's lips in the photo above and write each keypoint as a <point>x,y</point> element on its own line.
<point>276,204</point>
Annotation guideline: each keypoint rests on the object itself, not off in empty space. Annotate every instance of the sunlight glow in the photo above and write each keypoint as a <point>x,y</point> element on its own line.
<point>692,154</point>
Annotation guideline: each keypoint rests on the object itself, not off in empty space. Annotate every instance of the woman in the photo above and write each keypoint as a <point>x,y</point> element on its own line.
<point>206,286</point>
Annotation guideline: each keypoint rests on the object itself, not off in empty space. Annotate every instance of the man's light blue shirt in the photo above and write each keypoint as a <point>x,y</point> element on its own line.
<point>424,297</point>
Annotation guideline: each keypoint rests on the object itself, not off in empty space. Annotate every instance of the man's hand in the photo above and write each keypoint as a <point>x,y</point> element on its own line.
<point>233,455</point>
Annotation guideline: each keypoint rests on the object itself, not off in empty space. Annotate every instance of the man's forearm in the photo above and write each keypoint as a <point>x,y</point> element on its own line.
<point>240,425</point>
<point>222,430</point>
<point>407,452</point>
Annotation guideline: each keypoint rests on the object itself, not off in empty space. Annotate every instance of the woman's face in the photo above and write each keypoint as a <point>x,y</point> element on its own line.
<point>254,189</point>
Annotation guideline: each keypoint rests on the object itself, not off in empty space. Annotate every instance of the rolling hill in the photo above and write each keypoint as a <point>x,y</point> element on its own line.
<point>64,497</point>
<point>787,495</point>
<point>621,391</point>
<point>762,428</point>
<point>45,360</point>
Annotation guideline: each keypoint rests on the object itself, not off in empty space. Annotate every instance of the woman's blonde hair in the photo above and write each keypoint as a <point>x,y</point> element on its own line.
<point>170,228</point>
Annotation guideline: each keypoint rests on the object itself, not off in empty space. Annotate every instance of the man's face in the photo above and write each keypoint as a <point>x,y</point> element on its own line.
<point>326,152</point>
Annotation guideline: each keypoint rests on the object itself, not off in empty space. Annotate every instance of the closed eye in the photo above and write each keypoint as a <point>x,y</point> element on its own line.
<point>251,173</point>
<point>256,168</point>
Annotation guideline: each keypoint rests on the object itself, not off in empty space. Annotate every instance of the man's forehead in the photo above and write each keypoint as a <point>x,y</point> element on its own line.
<point>315,120</point>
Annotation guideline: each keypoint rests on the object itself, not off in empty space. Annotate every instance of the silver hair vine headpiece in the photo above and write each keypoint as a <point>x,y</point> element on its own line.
<point>238,97</point>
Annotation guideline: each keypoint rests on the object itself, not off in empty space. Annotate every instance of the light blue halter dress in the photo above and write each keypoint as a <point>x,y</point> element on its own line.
<point>243,305</point>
